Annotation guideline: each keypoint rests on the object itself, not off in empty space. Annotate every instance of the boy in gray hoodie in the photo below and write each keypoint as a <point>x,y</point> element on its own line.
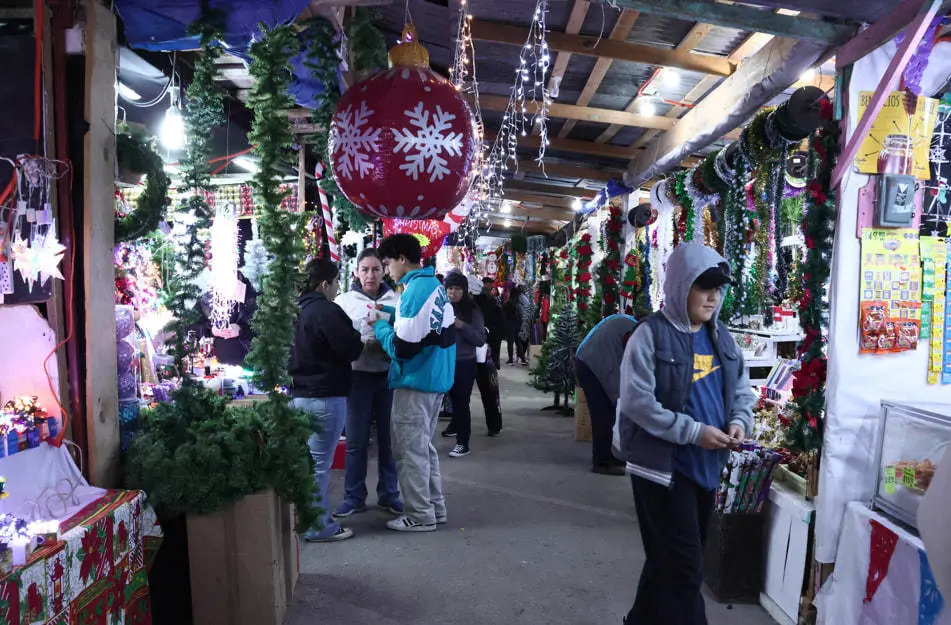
<point>685,400</point>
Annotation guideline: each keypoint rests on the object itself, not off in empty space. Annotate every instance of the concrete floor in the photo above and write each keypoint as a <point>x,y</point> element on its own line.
<point>533,538</point>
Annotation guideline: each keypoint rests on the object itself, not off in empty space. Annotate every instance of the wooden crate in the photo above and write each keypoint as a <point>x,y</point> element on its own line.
<point>582,416</point>
<point>243,562</point>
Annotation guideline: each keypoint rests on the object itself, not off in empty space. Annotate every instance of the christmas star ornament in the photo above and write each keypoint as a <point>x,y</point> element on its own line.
<point>48,254</point>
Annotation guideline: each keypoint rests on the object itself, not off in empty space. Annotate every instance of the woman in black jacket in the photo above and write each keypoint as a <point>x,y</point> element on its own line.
<point>470,334</point>
<point>325,343</point>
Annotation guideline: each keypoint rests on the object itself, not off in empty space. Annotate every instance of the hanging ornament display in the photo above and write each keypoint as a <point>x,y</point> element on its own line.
<point>610,267</point>
<point>224,266</point>
<point>582,281</point>
<point>430,232</point>
<point>403,142</point>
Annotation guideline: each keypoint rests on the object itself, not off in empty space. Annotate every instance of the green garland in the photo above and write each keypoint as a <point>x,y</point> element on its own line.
<point>272,137</point>
<point>204,111</point>
<point>755,141</point>
<point>138,155</point>
<point>804,430</point>
<point>735,244</point>
<point>686,225</point>
<point>367,45</point>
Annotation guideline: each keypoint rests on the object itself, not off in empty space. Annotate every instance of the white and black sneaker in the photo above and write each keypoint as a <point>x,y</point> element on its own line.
<point>459,451</point>
<point>406,524</point>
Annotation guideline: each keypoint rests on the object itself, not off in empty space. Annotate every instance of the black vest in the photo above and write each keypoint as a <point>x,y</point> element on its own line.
<point>673,374</point>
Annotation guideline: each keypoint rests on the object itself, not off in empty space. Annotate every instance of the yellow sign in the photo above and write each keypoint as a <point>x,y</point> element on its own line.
<point>898,143</point>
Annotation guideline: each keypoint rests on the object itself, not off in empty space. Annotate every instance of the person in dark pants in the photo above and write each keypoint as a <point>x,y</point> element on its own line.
<point>487,373</point>
<point>470,334</point>
<point>371,398</point>
<point>685,400</point>
<point>512,320</point>
<point>494,319</point>
<point>598,367</point>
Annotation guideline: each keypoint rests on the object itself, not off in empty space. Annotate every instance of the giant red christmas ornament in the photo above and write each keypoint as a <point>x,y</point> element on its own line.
<point>430,232</point>
<point>402,142</point>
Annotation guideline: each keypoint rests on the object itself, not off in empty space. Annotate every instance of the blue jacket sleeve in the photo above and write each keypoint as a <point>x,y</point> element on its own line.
<point>386,335</point>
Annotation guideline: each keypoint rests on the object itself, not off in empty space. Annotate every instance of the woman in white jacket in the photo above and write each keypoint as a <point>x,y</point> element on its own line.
<point>370,398</point>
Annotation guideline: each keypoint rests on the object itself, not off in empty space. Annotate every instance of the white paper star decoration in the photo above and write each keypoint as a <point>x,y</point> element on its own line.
<point>40,261</point>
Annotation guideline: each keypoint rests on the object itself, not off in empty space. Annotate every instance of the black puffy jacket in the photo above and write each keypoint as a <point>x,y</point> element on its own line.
<point>325,344</point>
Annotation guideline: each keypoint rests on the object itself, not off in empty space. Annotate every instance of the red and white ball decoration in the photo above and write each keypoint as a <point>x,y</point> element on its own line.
<point>402,142</point>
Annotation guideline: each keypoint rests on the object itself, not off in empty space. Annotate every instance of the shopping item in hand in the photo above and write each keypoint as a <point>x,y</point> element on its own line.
<point>745,480</point>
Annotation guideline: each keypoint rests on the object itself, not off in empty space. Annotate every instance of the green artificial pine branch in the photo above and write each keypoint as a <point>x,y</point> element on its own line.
<point>204,111</point>
<point>367,46</point>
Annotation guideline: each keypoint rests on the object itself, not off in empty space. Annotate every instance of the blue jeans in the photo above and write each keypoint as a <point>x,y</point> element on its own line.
<point>327,416</point>
<point>370,399</point>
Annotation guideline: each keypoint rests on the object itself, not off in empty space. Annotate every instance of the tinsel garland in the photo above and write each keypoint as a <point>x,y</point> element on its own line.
<point>642,303</point>
<point>662,244</point>
<point>701,198</point>
<point>204,111</point>
<point>582,279</point>
<point>804,430</point>
<point>735,243</point>
<point>610,267</point>
<point>688,221</point>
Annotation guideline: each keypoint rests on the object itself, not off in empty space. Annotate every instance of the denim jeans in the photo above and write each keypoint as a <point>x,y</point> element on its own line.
<point>327,416</point>
<point>370,400</point>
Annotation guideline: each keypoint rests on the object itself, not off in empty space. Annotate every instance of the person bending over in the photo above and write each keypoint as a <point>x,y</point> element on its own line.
<point>598,367</point>
<point>685,400</point>
<point>420,337</point>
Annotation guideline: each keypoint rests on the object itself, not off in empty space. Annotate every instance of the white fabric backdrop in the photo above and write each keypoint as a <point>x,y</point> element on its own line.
<point>857,383</point>
<point>45,484</point>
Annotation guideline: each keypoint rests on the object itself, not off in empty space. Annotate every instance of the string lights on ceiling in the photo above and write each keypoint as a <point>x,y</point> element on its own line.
<point>529,102</point>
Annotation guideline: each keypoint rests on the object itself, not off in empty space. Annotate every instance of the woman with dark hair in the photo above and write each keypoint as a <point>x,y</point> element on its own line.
<point>470,334</point>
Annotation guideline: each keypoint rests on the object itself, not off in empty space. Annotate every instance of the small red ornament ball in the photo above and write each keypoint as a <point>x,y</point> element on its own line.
<point>403,145</point>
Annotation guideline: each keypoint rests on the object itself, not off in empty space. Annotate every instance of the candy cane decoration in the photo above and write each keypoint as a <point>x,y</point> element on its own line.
<point>328,216</point>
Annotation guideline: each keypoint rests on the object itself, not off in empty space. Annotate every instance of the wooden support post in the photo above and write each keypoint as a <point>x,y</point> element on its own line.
<point>102,395</point>
<point>916,31</point>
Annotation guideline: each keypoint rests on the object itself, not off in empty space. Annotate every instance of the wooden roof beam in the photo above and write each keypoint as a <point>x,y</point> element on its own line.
<point>622,29</point>
<point>559,206</point>
<point>688,43</point>
<point>583,113</point>
<point>575,22</point>
<point>617,50</point>
<point>747,18</point>
<point>762,77</point>
<point>554,189</point>
<point>565,170</point>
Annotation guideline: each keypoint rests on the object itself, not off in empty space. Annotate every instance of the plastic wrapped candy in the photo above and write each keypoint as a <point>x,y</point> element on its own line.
<point>125,322</point>
<point>125,354</point>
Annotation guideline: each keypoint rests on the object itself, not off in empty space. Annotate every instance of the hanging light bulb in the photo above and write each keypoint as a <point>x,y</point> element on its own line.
<point>172,133</point>
<point>647,107</point>
<point>670,78</point>
<point>809,75</point>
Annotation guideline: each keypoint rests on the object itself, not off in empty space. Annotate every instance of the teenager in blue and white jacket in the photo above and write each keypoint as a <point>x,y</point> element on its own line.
<point>420,337</point>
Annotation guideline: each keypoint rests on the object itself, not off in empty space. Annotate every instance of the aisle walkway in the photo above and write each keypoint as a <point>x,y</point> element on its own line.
<point>533,538</point>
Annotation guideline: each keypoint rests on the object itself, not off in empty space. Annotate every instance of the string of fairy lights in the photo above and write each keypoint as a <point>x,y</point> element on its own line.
<point>527,109</point>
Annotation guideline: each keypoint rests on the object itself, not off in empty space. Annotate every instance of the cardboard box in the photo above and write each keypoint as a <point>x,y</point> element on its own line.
<point>582,416</point>
<point>243,562</point>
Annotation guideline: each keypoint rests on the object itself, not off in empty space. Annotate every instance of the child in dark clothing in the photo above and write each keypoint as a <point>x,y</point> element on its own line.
<point>685,400</point>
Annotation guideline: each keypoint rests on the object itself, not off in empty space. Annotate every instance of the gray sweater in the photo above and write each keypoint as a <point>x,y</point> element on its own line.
<point>470,336</point>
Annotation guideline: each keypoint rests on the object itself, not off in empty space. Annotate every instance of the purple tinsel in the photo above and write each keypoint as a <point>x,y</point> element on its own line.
<point>919,61</point>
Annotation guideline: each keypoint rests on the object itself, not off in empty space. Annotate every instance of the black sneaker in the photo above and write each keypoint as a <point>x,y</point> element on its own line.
<point>495,434</point>
<point>459,451</point>
<point>448,433</point>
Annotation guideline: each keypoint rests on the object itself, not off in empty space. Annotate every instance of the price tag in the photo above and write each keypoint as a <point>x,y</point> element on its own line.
<point>21,207</point>
<point>908,477</point>
<point>890,480</point>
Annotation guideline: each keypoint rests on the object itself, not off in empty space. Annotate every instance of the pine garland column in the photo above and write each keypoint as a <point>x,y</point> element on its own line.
<point>611,265</point>
<point>204,111</point>
<point>271,135</point>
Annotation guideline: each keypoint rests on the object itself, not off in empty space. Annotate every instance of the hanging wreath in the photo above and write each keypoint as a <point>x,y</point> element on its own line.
<point>804,429</point>
<point>611,265</point>
<point>758,146</point>
<point>137,155</point>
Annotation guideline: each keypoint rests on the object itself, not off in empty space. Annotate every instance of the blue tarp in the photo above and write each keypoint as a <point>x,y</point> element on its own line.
<point>162,25</point>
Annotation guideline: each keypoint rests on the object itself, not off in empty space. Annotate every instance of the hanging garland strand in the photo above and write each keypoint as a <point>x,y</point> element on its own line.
<point>138,155</point>
<point>611,265</point>
<point>285,429</point>
<point>583,253</point>
<point>204,112</point>
<point>271,135</point>
<point>735,244</point>
<point>687,225</point>
<point>804,430</point>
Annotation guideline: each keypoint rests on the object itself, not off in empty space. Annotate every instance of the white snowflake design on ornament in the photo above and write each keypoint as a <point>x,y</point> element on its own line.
<point>428,144</point>
<point>356,140</point>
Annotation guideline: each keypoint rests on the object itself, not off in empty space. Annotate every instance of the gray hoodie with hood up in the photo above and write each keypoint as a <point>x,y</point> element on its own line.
<point>648,433</point>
